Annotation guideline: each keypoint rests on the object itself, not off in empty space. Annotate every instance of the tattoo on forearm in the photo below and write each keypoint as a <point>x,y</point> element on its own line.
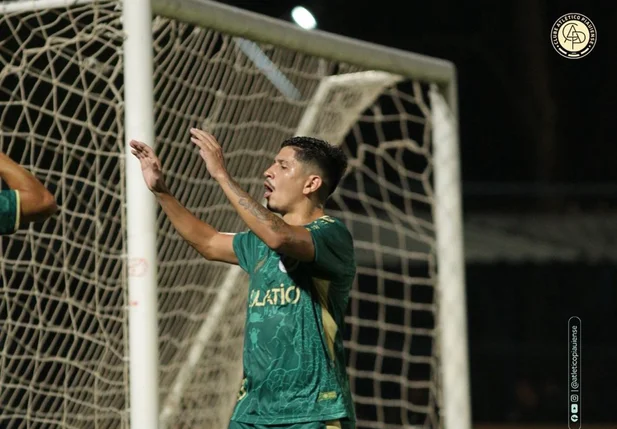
<point>260,212</point>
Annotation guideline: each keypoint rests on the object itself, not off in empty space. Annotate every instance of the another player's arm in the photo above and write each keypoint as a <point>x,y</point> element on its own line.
<point>291,240</point>
<point>211,244</point>
<point>36,202</point>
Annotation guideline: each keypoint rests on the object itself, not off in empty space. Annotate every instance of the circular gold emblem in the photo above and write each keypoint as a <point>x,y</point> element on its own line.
<point>573,35</point>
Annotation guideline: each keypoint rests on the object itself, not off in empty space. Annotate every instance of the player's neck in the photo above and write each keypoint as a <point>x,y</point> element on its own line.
<point>304,215</point>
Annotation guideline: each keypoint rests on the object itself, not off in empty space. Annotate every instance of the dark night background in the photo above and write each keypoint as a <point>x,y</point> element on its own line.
<point>537,137</point>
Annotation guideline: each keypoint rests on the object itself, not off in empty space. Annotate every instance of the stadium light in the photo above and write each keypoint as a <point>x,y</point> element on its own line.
<point>303,17</point>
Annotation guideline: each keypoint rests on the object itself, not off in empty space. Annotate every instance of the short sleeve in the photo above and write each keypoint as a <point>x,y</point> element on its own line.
<point>334,251</point>
<point>245,248</point>
<point>9,211</point>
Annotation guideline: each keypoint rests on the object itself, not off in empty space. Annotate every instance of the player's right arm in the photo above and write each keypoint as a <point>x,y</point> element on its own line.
<point>210,243</point>
<point>36,203</point>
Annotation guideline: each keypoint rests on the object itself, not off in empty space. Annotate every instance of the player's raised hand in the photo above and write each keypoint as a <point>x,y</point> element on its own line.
<point>210,151</point>
<point>150,166</point>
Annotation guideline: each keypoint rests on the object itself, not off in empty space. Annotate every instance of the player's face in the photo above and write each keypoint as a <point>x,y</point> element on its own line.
<point>285,180</point>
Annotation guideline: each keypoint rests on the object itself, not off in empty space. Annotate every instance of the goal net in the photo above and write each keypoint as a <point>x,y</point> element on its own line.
<point>64,356</point>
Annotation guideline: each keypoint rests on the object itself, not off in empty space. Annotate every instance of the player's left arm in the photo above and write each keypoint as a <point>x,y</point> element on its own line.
<point>291,240</point>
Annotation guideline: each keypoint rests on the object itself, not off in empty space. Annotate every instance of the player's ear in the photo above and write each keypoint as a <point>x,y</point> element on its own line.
<point>312,184</point>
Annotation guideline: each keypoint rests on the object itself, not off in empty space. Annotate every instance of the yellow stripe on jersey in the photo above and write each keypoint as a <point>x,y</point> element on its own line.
<point>329,325</point>
<point>18,210</point>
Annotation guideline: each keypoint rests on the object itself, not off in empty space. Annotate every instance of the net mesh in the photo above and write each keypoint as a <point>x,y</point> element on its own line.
<point>62,299</point>
<point>63,304</point>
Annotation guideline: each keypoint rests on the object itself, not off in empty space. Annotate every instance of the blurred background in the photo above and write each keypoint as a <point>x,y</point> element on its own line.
<point>539,186</point>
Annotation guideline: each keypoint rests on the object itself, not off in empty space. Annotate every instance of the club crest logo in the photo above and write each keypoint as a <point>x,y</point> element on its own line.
<point>573,36</point>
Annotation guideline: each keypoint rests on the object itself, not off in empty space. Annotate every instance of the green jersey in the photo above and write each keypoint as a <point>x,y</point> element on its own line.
<point>9,211</point>
<point>294,359</point>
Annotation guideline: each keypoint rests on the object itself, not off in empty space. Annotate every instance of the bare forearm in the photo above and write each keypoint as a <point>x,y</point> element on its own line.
<point>265,224</point>
<point>190,228</point>
<point>18,177</point>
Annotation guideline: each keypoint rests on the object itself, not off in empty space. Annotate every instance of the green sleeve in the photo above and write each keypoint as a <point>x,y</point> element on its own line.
<point>9,211</point>
<point>334,251</point>
<point>245,248</point>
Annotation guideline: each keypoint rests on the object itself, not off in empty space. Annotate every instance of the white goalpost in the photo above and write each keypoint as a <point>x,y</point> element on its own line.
<point>141,227</point>
<point>109,318</point>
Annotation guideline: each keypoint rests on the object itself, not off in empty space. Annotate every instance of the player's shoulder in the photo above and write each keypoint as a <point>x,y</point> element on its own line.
<point>248,238</point>
<point>9,211</point>
<point>7,192</point>
<point>9,197</point>
<point>329,224</point>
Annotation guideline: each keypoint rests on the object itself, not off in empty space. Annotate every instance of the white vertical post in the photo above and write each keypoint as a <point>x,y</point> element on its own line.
<point>452,312</point>
<point>141,218</point>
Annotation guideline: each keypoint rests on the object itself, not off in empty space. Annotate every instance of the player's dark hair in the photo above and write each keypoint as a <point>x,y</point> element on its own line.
<point>329,159</point>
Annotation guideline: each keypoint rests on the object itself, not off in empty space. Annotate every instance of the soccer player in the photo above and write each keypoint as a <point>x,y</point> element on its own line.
<point>301,267</point>
<point>26,201</point>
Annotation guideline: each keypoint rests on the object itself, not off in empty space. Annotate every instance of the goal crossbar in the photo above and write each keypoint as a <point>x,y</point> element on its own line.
<point>259,28</point>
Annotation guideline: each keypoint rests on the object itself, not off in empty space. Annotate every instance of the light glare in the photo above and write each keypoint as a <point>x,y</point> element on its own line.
<point>303,18</point>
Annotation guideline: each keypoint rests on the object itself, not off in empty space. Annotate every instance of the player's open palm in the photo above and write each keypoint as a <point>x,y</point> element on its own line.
<point>150,166</point>
<point>210,151</point>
